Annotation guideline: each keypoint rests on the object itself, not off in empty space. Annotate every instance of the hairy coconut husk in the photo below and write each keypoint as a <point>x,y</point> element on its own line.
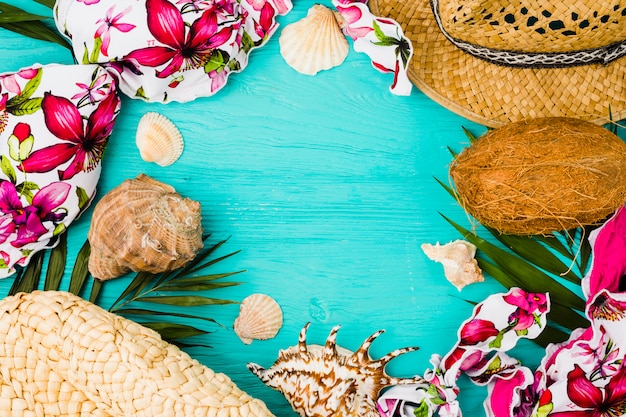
<point>542,175</point>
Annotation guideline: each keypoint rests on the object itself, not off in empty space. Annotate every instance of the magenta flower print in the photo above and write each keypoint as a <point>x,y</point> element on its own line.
<point>476,331</point>
<point>111,22</point>
<point>529,305</point>
<point>27,221</point>
<point>10,82</point>
<point>185,47</point>
<point>266,21</point>
<point>83,144</point>
<point>609,401</point>
<point>353,14</point>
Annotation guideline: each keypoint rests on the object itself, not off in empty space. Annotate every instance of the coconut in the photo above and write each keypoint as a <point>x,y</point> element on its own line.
<point>542,175</point>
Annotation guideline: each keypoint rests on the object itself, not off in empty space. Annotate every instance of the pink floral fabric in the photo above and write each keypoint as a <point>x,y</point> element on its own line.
<point>582,377</point>
<point>381,39</point>
<point>168,50</point>
<point>52,138</point>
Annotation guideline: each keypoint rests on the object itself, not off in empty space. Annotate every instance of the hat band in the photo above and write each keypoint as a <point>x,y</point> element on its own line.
<point>518,59</point>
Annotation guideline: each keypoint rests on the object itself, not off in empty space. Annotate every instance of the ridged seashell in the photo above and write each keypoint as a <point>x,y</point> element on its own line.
<point>143,225</point>
<point>260,318</point>
<point>315,42</point>
<point>459,265</point>
<point>329,380</point>
<point>158,139</point>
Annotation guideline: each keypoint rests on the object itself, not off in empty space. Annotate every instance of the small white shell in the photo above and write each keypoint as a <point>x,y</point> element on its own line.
<point>260,318</point>
<point>158,139</point>
<point>315,42</point>
<point>459,265</point>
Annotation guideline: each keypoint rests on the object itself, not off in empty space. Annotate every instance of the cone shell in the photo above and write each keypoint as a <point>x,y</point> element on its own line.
<point>158,139</point>
<point>143,225</point>
<point>314,43</point>
<point>260,318</point>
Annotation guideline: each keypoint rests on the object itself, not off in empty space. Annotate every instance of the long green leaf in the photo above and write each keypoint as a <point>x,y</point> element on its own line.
<point>95,290</point>
<point>185,300</point>
<point>8,17</point>
<point>56,265</point>
<point>80,272</point>
<point>37,30</point>
<point>171,331</point>
<point>528,248</point>
<point>29,280</point>
<point>141,280</point>
<point>206,286</point>
<point>47,3</point>
<point>145,312</point>
<point>527,276</point>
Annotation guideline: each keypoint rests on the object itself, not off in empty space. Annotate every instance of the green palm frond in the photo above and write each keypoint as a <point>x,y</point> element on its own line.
<point>158,300</point>
<point>32,25</point>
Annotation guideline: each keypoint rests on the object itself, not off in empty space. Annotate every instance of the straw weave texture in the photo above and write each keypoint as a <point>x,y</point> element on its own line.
<point>493,94</point>
<point>63,356</point>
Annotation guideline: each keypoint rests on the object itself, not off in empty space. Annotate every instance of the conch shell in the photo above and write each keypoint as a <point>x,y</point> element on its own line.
<point>143,225</point>
<point>328,381</point>
<point>314,43</point>
<point>260,318</point>
<point>459,265</point>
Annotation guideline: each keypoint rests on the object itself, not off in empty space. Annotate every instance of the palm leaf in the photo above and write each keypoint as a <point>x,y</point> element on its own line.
<point>27,24</point>
<point>153,291</point>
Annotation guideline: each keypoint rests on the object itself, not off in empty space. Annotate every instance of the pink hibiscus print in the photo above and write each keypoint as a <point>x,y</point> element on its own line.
<point>529,304</point>
<point>185,47</point>
<point>111,22</point>
<point>10,82</point>
<point>83,143</point>
<point>609,401</point>
<point>353,14</point>
<point>27,221</point>
<point>89,2</point>
<point>476,331</point>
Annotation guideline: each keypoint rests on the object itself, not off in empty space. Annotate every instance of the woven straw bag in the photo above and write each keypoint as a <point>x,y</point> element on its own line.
<point>63,356</point>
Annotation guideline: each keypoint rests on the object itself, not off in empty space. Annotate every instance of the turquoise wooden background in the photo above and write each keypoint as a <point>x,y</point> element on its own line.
<point>326,185</point>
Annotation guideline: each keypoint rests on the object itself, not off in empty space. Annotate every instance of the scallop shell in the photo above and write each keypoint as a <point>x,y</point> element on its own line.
<point>158,139</point>
<point>143,225</point>
<point>329,380</point>
<point>459,265</point>
<point>260,318</point>
<point>314,43</point>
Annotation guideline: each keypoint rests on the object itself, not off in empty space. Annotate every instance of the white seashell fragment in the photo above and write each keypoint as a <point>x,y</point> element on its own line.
<point>459,265</point>
<point>260,318</point>
<point>315,42</point>
<point>158,139</point>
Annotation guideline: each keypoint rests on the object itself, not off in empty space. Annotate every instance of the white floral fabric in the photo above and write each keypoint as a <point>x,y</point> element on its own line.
<point>53,135</point>
<point>174,50</point>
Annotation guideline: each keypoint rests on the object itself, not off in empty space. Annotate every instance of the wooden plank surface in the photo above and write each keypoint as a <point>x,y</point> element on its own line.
<point>326,186</point>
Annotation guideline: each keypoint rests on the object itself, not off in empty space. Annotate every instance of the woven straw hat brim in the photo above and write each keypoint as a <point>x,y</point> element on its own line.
<point>494,95</point>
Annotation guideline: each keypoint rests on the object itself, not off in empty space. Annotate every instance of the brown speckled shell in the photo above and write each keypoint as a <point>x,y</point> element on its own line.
<point>143,225</point>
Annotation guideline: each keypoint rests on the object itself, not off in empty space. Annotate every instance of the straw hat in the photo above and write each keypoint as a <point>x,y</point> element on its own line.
<point>498,61</point>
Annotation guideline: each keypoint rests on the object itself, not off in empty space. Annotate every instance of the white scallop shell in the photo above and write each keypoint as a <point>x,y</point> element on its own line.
<point>459,265</point>
<point>315,42</point>
<point>158,139</point>
<point>260,318</point>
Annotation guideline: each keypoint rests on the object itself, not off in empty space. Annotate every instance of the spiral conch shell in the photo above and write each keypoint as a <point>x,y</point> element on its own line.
<point>329,381</point>
<point>260,318</point>
<point>457,257</point>
<point>158,139</point>
<point>143,225</point>
<point>314,43</point>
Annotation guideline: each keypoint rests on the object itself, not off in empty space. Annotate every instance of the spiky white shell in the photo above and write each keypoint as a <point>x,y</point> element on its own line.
<point>315,42</point>
<point>457,257</point>
<point>330,381</point>
<point>158,139</point>
<point>260,318</point>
